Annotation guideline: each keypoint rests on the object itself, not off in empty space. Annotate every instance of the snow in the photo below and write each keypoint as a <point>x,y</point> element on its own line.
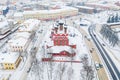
<point>57,70</point>
<point>3,22</point>
<point>19,39</point>
<point>8,57</point>
<point>29,25</point>
<point>58,49</point>
<point>3,7</point>
<point>49,11</point>
<point>85,7</point>
<point>18,14</point>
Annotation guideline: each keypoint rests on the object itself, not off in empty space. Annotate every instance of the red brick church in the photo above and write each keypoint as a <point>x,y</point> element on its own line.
<point>60,35</point>
<point>61,45</point>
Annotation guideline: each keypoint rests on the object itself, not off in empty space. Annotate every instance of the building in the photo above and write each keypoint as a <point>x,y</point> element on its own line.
<point>61,46</point>
<point>19,42</point>
<point>9,61</point>
<point>65,51</point>
<point>18,17</point>
<point>5,27</point>
<point>4,10</point>
<point>117,3</point>
<point>103,6</point>
<point>60,35</point>
<point>47,14</point>
<point>85,9</point>
<point>29,25</point>
<point>25,34</point>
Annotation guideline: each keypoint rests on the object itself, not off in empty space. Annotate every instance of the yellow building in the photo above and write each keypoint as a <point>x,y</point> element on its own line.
<point>10,61</point>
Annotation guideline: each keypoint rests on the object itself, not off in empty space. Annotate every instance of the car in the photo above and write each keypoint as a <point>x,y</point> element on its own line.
<point>97,66</point>
<point>94,35</point>
<point>28,70</point>
<point>83,24</point>
<point>103,44</point>
<point>101,66</point>
<point>91,51</point>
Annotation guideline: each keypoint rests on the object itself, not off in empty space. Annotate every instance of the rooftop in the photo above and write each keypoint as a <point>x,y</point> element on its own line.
<point>20,39</point>
<point>49,11</point>
<point>29,25</point>
<point>58,49</point>
<point>8,57</point>
<point>84,7</point>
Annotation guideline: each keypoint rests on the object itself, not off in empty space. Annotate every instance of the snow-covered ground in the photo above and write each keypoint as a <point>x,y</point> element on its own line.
<point>60,70</point>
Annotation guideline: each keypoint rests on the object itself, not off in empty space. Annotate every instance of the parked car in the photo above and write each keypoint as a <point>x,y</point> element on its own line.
<point>103,44</point>
<point>97,66</point>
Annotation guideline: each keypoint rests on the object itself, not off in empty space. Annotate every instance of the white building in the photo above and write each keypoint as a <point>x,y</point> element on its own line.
<point>5,27</point>
<point>19,42</point>
<point>18,16</point>
<point>22,38</point>
<point>29,25</point>
<point>47,14</point>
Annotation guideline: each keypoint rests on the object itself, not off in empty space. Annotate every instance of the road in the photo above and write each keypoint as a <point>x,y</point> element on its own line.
<point>102,75</point>
<point>114,72</point>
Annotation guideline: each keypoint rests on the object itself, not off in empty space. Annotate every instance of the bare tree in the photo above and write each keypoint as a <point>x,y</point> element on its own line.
<point>87,73</point>
<point>109,34</point>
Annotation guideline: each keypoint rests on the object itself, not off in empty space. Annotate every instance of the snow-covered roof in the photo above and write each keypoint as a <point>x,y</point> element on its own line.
<point>29,25</point>
<point>19,42</point>
<point>9,57</point>
<point>58,49</point>
<point>18,14</point>
<point>3,7</point>
<point>109,5</point>
<point>113,6</point>
<point>49,11</point>
<point>96,4</point>
<point>22,34</point>
<point>4,24</point>
<point>84,7</point>
<point>61,21</point>
<point>20,39</point>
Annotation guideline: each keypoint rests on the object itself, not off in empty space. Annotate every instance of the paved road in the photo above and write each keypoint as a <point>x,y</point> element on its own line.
<point>114,72</point>
<point>102,75</point>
